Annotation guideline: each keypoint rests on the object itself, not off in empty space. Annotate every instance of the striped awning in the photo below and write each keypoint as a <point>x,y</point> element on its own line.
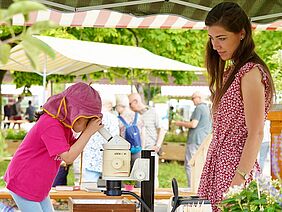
<point>151,13</point>
<point>260,11</point>
<point>112,19</point>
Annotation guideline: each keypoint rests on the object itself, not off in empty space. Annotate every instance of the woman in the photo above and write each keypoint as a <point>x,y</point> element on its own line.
<point>241,94</point>
<point>34,166</point>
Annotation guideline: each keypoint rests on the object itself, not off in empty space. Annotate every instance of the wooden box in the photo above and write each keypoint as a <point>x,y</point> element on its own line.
<point>275,117</point>
<point>100,205</point>
<point>173,151</point>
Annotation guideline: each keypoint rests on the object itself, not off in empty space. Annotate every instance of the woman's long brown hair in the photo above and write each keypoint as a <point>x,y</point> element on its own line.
<point>232,18</point>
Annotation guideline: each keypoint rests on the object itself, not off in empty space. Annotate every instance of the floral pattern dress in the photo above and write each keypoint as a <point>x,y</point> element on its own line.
<point>93,152</point>
<point>229,136</point>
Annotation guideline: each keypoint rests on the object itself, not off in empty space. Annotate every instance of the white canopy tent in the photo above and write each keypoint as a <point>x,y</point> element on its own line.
<point>77,57</point>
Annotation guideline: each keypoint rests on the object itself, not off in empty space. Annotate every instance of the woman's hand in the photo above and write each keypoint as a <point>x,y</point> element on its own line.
<point>237,180</point>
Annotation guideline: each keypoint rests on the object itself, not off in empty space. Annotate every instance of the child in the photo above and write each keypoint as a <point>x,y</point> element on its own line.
<point>34,166</point>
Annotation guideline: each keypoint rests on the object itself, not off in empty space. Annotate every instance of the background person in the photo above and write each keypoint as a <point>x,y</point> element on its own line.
<point>7,115</point>
<point>241,95</point>
<point>123,110</point>
<point>17,113</point>
<point>34,166</point>
<point>92,157</point>
<point>154,131</point>
<point>30,112</point>
<point>199,128</point>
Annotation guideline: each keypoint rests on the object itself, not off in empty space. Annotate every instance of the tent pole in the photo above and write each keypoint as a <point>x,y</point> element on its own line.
<point>44,79</point>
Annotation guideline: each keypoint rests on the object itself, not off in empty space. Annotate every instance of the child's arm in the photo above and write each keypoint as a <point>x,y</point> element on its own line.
<point>93,126</point>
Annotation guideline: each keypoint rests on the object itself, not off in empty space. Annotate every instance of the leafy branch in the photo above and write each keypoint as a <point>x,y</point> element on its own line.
<point>31,45</point>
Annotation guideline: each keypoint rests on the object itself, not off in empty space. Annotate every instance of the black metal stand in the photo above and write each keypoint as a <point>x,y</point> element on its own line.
<point>148,187</point>
<point>113,187</point>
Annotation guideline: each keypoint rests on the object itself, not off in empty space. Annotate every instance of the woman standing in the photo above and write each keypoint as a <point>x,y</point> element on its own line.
<point>241,94</point>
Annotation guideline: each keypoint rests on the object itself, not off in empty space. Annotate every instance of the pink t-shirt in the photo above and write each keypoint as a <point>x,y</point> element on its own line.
<point>35,164</point>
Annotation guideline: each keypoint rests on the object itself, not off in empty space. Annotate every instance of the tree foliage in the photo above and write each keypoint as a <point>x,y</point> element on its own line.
<point>187,46</point>
<point>31,45</point>
<point>174,44</point>
<point>24,79</point>
<point>269,47</point>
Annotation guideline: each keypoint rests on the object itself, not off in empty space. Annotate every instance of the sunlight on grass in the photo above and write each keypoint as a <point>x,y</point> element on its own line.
<point>3,167</point>
<point>167,171</point>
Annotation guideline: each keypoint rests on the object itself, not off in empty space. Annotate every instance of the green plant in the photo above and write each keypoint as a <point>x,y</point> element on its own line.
<point>31,45</point>
<point>262,194</point>
<point>173,137</point>
<point>14,134</point>
<point>129,182</point>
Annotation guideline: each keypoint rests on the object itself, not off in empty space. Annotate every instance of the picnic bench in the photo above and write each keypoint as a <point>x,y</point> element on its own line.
<point>15,122</point>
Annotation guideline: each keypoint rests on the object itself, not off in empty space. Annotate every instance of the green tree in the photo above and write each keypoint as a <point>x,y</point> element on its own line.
<point>268,44</point>
<point>183,45</point>
<point>24,79</point>
<point>11,36</point>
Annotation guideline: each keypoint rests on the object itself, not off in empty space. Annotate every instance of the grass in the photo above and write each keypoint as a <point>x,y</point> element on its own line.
<point>167,171</point>
<point>3,167</point>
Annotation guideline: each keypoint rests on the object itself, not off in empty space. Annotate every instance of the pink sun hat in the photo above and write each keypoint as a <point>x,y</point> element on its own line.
<point>78,100</point>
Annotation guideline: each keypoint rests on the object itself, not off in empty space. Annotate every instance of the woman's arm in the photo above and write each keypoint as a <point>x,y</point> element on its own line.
<point>253,93</point>
<point>93,126</point>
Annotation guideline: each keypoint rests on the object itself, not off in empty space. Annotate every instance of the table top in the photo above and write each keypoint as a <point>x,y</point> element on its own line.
<point>22,121</point>
<point>161,193</point>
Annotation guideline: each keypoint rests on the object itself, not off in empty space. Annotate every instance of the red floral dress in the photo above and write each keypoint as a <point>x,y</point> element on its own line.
<point>229,136</point>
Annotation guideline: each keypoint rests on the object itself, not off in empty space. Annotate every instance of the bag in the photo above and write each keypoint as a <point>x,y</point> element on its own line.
<point>132,135</point>
<point>61,178</point>
<point>13,110</point>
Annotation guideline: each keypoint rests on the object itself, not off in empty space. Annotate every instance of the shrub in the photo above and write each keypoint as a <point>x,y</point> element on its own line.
<point>14,134</point>
<point>129,182</point>
<point>178,138</point>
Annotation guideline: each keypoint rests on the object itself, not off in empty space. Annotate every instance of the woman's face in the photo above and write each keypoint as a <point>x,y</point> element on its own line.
<point>224,42</point>
<point>80,124</point>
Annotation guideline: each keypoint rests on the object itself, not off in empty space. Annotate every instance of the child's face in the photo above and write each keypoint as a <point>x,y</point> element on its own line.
<point>80,124</point>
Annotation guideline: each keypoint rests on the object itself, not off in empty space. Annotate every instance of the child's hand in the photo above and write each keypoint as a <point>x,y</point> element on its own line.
<point>94,125</point>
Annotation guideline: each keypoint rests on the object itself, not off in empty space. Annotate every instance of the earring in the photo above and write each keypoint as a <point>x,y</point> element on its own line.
<point>241,38</point>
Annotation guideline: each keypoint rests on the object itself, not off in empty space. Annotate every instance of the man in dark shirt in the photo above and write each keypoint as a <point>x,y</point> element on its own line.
<point>7,114</point>
<point>30,112</point>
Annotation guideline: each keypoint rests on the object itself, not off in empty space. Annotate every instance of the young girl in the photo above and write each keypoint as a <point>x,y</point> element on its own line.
<point>34,166</point>
<point>241,94</point>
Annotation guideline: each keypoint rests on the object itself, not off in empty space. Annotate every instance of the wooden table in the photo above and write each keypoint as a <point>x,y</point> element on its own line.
<point>162,193</point>
<point>100,205</point>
